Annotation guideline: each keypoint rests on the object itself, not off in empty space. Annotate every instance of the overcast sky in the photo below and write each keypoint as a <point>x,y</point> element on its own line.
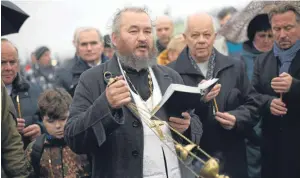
<point>52,23</point>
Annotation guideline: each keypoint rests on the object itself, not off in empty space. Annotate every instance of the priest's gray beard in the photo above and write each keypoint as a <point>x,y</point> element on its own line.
<point>138,63</point>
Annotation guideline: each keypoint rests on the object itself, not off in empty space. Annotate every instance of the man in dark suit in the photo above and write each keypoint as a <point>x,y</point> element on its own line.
<point>100,123</point>
<point>228,119</point>
<point>277,78</point>
<point>89,46</point>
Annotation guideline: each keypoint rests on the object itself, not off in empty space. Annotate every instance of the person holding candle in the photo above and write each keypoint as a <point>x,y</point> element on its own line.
<point>227,111</point>
<point>23,93</point>
<point>277,78</point>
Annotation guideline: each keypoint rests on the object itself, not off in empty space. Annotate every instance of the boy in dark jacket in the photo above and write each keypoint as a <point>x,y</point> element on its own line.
<point>49,154</point>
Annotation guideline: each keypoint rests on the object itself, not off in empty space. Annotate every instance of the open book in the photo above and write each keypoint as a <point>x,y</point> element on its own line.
<point>180,98</point>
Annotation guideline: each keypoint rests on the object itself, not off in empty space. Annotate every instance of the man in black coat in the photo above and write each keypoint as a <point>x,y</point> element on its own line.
<point>100,123</point>
<point>224,131</point>
<point>89,46</point>
<point>277,78</point>
<point>21,91</point>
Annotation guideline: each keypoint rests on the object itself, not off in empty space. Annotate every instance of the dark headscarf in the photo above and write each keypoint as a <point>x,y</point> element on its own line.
<point>257,24</point>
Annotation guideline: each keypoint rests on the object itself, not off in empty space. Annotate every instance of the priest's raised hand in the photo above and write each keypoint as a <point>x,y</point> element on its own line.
<point>118,93</point>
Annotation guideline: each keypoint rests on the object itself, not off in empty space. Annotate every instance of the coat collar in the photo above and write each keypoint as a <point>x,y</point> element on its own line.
<point>184,66</point>
<point>80,65</point>
<point>164,80</point>
<point>20,84</point>
<point>249,48</point>
<point>113,67</point>
<point>222,63</point>
<point>295,66</point>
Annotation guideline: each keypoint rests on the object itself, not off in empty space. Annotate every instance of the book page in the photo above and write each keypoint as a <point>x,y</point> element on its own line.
<point>183,88</point>
<point>207,83</point>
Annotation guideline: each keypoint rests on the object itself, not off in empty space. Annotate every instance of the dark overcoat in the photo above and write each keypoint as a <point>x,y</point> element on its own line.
<point>280,134</point>
<point>113,138</point>
<point>234,97</point>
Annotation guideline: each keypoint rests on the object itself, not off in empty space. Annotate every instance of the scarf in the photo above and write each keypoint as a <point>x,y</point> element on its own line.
<point>211,65</point>
<point>55,141</point>
<point>286,56</point>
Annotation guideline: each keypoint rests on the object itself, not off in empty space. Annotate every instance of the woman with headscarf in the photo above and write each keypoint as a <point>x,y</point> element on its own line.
<point>260,40</point>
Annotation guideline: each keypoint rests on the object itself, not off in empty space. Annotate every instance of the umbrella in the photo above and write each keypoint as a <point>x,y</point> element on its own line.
<point>235,30</point>
<point>12,18</point>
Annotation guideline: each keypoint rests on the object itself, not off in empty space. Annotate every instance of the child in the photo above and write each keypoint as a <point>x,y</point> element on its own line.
<point>48,154</point>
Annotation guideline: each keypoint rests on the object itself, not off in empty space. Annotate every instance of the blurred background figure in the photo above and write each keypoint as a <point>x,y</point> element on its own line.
<point>89,46</point>
<point>43,70</point>
<point>220,41</point>
<point>225,14</point>
<point>174,48</point>
<point>23,93</point>
<point>234,49</point>
<point>30,65</point>
<point>108,50</point>
<point>49,154</point>
<point>164,31</point>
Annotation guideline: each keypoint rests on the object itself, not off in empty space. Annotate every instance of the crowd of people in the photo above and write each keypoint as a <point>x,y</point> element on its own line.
<point>76,121</point>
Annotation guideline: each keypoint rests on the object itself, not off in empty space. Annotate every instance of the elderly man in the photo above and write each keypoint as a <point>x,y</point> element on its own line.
<point>225,119</point>
<point>89,53</point>
<point>23,93</point>
<point>164,31</point>
<point>277,78</point>
<point>118,139</point>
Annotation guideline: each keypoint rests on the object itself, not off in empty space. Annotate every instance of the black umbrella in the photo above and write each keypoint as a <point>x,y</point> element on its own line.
<point>12,18</point>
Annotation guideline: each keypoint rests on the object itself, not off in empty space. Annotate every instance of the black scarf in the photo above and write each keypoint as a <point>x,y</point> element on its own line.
<point>57,142</point>
<point>211,65</point>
